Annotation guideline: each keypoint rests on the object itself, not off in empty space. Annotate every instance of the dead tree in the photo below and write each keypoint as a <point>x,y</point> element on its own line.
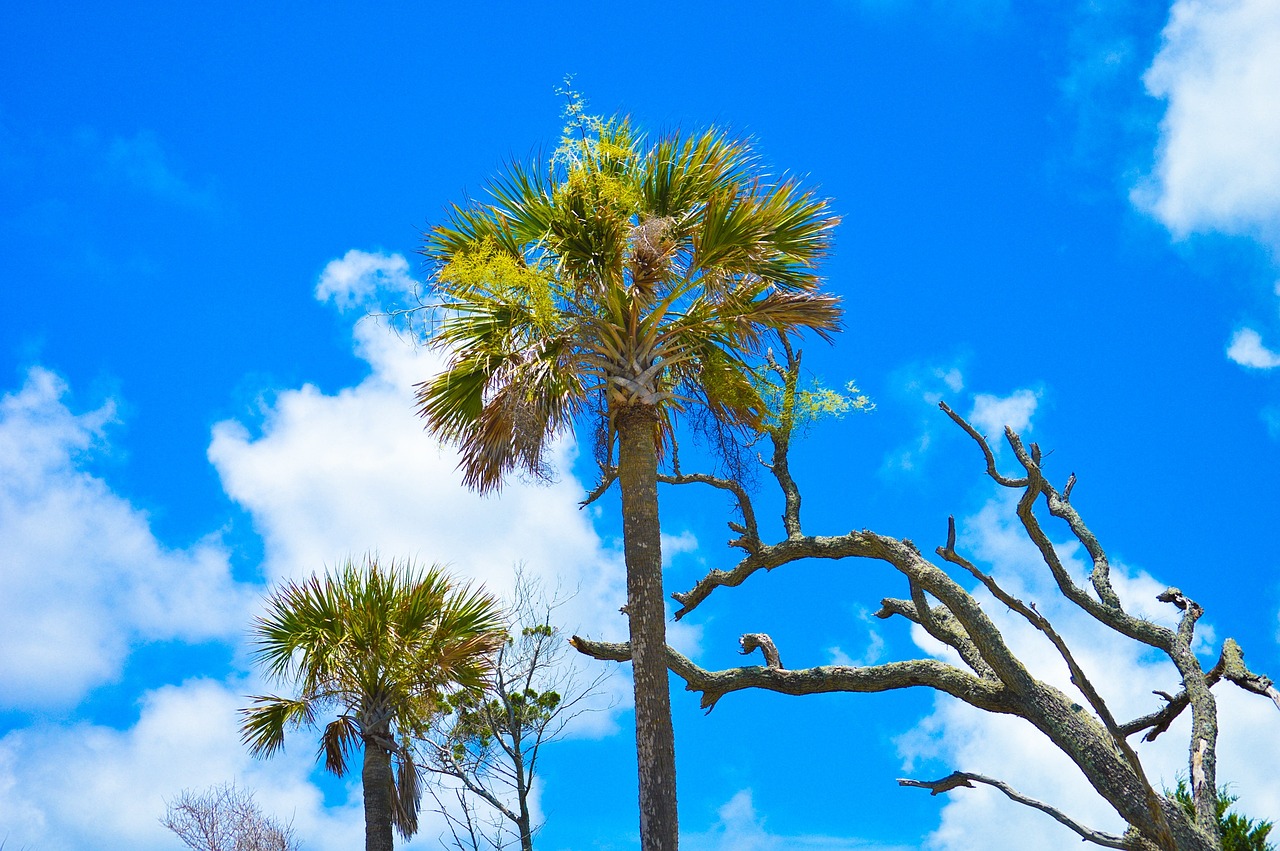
<point>226,818</point>
<point>993,678</point>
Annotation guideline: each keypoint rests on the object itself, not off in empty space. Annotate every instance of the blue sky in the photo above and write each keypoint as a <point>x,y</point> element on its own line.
<point>1062,216</point>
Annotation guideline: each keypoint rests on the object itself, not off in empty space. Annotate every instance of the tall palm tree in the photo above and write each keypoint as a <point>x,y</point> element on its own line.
<point>379,646</point>
<point>628,282</point>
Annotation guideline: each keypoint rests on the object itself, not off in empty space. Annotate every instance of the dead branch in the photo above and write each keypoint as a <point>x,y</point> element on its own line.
<point>966,779</point>
<point>713,685</point>
<point>754,641</point>
<point>607,477</point>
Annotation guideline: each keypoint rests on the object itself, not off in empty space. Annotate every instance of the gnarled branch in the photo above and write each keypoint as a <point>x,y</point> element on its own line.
<point>966,779</point>
<point>714,685</point>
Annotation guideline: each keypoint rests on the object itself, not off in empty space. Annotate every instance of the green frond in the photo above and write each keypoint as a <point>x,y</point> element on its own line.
<point>502,412</point>
<point>263,725</point>
<point>728,387</point>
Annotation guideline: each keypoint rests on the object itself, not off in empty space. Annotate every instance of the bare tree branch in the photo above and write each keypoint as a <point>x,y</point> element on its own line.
<point>967,779</point>
<point>490,746</point>
<point>1078,676</point>
<point>608,476</point>
<point>754,641</point>
<point>226,818</point>
<point>949,631</point>
<point>714,685</point>
<point>1233,668</point>
<point>981,440</point>
<point>780,435</point>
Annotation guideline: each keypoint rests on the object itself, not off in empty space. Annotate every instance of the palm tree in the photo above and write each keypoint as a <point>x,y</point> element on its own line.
<point>627,283</point>
<point>379,647</point>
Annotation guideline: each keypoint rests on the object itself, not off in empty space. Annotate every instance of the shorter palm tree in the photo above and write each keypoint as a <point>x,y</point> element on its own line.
<point>379,647</point>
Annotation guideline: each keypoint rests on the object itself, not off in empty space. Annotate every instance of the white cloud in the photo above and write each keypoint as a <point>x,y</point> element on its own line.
<point>64,788</point>
<point>932,384</point>
<point>958,737</point>
<point>1218,163</point>
<point>992,413</point>
<point>1247,349</point>
<point>739,827</point>
<point>953,379</point>
<point>674,545</point>
<point>336,475</point>
<point>905,459</point>
<point>872,653</point>
<point>356,279</point>
<point>84,575</point>
<point>332,475</point>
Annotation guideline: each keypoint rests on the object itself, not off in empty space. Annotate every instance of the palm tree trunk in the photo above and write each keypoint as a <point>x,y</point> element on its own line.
<point>376,778</point>
<point>642,541</point>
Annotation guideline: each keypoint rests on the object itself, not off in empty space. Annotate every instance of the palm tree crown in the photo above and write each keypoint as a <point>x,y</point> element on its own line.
<point>378,647</point>
<point>616,275</point>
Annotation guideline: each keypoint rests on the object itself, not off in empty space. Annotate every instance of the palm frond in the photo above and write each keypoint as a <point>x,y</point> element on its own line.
<point>263,725</point>
<point>406,795</point>
<point>340,738</point>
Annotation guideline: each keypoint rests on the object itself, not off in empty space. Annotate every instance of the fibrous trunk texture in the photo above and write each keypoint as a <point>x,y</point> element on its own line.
<point>376,778</point>
<point>655,740</point>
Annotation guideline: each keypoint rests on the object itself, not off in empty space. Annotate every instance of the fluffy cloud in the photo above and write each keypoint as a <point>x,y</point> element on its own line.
<point>333,475</point>
<point>84,575</point>
<point>356,279</point>
<point>1218,163</point>
<point>991,414</point>
<point>328,475</point>
<point>88,786</point>
<point>959,737</point>
<point>1246,349</point>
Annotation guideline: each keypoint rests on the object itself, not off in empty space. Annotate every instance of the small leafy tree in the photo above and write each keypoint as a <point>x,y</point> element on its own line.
<point>1239,833</point>
<point>380,647</point>
<point>226,818</point>
<point>490,744</point>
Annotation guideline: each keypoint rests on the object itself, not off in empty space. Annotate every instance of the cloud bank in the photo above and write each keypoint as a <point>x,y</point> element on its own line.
<point>333,475</point>
<point>1217,166</point>
<point>85,578</point>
